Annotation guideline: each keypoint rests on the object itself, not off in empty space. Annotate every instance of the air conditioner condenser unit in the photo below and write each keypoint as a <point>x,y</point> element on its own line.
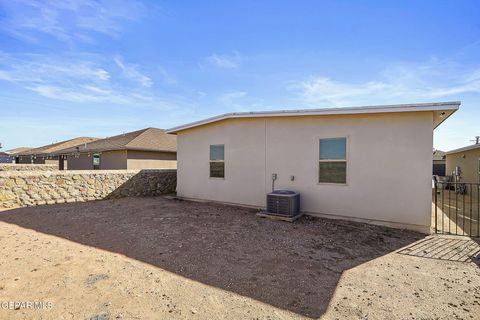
<point>283,203</point>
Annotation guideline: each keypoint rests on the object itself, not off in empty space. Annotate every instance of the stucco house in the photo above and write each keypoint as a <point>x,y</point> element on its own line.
<point>439,163</point>
<point>15,151</point>
<point>468,160</point>
<point>5,157</point>
<point>149,148</point>
<point>48,154</point>
<point>343,161</point>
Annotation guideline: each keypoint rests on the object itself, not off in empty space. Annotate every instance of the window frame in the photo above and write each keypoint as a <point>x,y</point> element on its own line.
<point>346,160</point>
<point>210,161</point>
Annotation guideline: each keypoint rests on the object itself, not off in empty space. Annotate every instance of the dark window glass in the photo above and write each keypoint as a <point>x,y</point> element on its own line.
<point>217,169</point>
<point>333,172</point>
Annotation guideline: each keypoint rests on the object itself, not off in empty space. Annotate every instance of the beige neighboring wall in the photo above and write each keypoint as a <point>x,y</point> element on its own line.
<point>83,162</point>
<point>123,159</point>
<point>468,161</point>
<point>382,184</point>
<point>39,160</point>
<point>51,161</point>
<point>42,160</point>
<point>25,160</point>
<point>109,160</point>
<point>151,160</point>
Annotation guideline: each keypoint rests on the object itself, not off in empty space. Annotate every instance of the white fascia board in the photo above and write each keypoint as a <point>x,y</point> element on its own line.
<point>441,106</point>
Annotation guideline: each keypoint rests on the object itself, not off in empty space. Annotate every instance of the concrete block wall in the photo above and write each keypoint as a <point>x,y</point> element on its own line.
<point>29,188</point>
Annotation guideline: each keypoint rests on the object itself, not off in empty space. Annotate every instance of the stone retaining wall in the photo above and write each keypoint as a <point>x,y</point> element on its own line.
<point>27,167</point>
<point>29,188</point>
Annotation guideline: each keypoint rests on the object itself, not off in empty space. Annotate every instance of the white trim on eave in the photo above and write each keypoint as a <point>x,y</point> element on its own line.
<point>440,106</point>
<point>467,148</point>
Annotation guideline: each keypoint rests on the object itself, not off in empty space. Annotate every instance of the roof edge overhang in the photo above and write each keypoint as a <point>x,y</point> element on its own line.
<point>463,149</point>
<point>82,151</point>
<point>442,110</point>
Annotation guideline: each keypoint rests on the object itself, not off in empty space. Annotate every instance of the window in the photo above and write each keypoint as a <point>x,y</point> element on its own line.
<point>217,161</point>
<point>333,160</point>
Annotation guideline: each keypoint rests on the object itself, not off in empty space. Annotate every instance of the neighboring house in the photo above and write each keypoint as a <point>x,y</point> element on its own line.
<point>5,158</point>
<point>468,160</point>
<point>343,161</point>
<point>149,148</point>
<point>17,150</point>
<point>47,154</point>
<point>438,163</point>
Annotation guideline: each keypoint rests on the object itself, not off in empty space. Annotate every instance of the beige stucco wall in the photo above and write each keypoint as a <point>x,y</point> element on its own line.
<point>134,160</point>
<point>51,161</point>
<point>381,184</point>
<point>151,160</point>
<point>468,163</point>
<point>37,160</point>
<point>83,162</point>
<point>25,160</point>
<point>113,160</point>
<point>109,160</point>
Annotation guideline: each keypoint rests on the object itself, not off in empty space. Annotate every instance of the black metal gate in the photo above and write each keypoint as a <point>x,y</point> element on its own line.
<point>457,208</point>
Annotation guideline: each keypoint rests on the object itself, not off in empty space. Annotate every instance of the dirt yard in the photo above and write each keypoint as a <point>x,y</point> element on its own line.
<point>158,258</point>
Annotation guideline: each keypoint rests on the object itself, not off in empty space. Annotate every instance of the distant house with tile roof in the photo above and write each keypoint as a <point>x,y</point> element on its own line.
<point>48,154</point>
<point>5,157</point>
<point>17,150</point>
<point>438,163</point>
<point>149,148</point>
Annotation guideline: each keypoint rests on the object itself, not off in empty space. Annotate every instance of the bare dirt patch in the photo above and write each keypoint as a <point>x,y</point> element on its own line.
<point>154,258</point>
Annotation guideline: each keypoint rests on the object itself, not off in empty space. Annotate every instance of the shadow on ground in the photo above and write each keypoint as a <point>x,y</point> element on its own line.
<point>290,266</point>
<point>448,248</point>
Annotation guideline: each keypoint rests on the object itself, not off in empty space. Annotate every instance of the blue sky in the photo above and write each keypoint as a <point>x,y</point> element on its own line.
<point>100,68</point>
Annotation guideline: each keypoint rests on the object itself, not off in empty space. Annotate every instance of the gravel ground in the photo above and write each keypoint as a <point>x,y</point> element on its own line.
<point>158,258</point>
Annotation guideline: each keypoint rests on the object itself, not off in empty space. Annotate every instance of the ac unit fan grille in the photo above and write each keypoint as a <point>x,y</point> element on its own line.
<point>282,204</point>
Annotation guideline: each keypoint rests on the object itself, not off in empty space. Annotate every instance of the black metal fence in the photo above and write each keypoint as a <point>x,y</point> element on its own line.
<point>457,208</point>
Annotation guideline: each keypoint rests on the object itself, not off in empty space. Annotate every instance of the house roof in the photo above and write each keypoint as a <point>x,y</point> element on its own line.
<point>18,150</point>
<point>467,148</point>
<point>54,147</point>
<point>149,139</point>
<point>438,155</point>
<point>441,110</point>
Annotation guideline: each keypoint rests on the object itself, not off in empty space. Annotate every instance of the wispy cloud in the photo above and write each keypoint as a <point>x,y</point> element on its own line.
<point>398,83</point>
<point>80,78</point>
<point>131,72</point>
<point>167,77</point>
<point>241,101</point>
<point>232,98</point>
<point>87,94</point>
<point>225,61</point>
<point>67,20</point>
